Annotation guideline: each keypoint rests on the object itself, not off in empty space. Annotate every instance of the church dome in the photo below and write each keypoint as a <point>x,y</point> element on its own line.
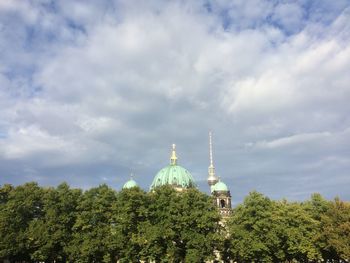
<point>130,184</point>
<point>219,187</point>
<point>173,175</point>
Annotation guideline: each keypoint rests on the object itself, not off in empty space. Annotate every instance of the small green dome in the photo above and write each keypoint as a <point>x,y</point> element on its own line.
<point>174,175</point>
<point>220,187</point>
<point>130,184</point>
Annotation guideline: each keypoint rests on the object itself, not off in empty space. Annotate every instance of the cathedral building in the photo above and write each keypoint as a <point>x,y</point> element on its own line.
<point>181,179</point>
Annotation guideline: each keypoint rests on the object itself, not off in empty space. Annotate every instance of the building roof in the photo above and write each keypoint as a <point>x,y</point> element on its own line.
<point>219,187</point>
<point>130,184</point>
<point>173,174</point>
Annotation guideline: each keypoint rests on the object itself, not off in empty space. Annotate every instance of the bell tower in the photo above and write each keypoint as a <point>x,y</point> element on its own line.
<point>222,196</point>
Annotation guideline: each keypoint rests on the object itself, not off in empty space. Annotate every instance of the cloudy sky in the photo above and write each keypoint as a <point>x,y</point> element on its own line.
<point>91,90</point>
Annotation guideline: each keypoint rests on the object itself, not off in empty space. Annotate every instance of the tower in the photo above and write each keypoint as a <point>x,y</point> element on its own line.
<point>212,178</point>
<point>222,197</point>
<point>219,190</point>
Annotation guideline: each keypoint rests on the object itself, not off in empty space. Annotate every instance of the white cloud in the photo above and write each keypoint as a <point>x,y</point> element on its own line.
<point>23,142</point>
<point>114,84</point>
<point>301,77</point>
<point>298,139</point>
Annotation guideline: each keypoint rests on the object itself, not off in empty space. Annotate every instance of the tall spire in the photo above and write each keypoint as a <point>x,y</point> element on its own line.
<point>210,150</point>
<point>173,158</point>
<point>212,178</point>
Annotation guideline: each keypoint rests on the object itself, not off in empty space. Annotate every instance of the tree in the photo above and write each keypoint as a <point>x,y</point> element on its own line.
<point>297,231</point>
<point>100,225</point>
<point>317,207</point>
<point>200,226</point>
<point>335,231</point>
<point>20,206</point>
<point>252,234</point>
<point>181,226</point>
<point>5,191</point>
<point>52,233</point>
<point>262,230</point>
<point>92,228</point>
<point>129,212</point>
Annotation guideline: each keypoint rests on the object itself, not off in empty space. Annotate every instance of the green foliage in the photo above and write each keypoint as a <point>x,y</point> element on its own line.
<point>92,228</point>
<point>262,230</point>
<point>130,211</point>
<point>335,231</point>
<point>51,233</point>
<point>180,226</point>
<point>253,237</point>
<point>24,204</point>
<point>297,232</point>
<point>101,225</point>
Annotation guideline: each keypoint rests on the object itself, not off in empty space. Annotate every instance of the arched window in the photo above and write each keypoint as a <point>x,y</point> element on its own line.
<point>222,203</point>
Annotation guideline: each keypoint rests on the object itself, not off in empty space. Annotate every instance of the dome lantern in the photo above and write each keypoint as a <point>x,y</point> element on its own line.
<point>173,157</point>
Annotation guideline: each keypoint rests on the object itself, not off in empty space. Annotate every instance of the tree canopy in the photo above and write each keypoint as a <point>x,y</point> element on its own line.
<point>62,224</point>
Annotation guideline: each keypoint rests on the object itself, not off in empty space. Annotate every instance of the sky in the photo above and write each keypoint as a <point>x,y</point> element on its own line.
<point>91,91</point>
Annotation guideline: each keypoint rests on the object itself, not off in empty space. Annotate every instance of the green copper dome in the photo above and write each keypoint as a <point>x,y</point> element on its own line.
<point>220,187</point>
<point>130,184</point>
<point>173,175</point>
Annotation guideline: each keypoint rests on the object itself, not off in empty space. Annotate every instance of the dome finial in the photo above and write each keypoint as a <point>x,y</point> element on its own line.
<point>173,158</point>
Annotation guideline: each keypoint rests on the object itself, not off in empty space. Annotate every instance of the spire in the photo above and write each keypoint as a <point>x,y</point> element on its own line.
<point>212,178</point>
<point>173,158</point>
<point>210,150</point>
